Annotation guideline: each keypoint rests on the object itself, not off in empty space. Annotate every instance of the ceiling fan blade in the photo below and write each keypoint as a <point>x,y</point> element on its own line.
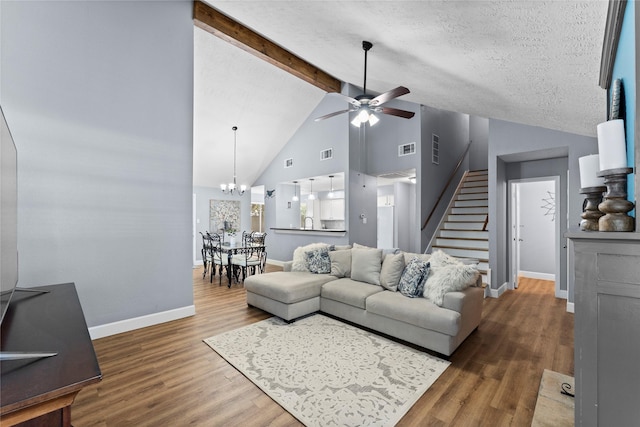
<point>389,95</point>
<point>331,115</point>
<point>350,100</point>
<point>395,112</point>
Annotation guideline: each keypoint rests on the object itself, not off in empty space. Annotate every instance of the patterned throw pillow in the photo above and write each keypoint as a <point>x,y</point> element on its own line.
<point>300,256</point>
<point>411,282</point>
<point>319,261</point>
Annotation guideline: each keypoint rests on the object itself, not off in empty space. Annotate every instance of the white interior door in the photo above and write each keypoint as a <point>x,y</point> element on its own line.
<point>516,238</point>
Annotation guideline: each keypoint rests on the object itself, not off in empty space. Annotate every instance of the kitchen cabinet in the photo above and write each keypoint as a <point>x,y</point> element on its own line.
<point>332,209</point>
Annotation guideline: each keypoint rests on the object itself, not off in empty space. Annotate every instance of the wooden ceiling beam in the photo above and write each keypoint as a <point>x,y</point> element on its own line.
<point>222,26</point>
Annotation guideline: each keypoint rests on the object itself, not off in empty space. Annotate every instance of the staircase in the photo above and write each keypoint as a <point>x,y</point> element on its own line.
<point>463,231</point>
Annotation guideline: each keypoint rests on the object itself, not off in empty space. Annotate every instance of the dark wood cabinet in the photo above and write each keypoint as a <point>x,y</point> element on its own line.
<point>40,392</point>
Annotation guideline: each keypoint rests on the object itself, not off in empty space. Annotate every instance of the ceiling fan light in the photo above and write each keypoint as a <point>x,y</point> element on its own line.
<point>356,121</point>
<point>363,115</point>
<point>373,120</point>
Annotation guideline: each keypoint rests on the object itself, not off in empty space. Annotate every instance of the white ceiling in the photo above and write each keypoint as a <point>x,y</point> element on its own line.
<point>531,62</point>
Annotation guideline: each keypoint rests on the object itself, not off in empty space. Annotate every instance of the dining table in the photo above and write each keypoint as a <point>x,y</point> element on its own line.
<point>238,248</point>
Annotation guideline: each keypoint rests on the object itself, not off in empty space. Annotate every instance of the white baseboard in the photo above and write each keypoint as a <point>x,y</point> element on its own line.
<point>127,325</point>
<point>495,293</point>
<point>562,294</point>
<point>275,262</point>
<point>198,262</point>
<point>536,275</point>
<point>570,308</point>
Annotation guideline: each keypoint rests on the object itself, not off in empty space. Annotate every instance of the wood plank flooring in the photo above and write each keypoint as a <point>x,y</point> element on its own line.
<point>165,375</point>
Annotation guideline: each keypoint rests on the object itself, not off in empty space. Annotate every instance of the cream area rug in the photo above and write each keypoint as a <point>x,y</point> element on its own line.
<point>327,373</point>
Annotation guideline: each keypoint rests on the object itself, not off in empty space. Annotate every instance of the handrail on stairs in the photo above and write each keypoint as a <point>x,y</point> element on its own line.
<point>444,190</point>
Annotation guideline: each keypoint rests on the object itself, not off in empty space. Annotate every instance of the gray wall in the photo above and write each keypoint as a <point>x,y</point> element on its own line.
<point>453,130</point>
<point>479,151</point>
<point>304,147</point>
<point>512,142</point>
<point>374,151</point>
<point>99,97</point>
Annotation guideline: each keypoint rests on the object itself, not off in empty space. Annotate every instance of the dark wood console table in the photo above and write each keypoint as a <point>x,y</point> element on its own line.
<point>40,392</point>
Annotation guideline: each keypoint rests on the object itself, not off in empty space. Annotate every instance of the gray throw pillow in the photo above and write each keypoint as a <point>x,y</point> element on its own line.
<point>391,271</point>
<point>366,265</point>
<point>411,282</point>
<point>319,261</point>
<point>340,263</point>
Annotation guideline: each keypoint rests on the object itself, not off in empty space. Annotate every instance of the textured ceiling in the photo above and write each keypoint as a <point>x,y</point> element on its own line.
<point>531,62</point>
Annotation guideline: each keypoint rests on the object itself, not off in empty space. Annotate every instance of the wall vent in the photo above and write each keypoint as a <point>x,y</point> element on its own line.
<point>326,154</point>
<point>435,149</point>
<point>406,149</point>
<point>288,163</point>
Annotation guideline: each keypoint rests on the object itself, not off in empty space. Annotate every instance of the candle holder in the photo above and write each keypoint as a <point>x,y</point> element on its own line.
<point>615,204</point>
<point>591,214</point>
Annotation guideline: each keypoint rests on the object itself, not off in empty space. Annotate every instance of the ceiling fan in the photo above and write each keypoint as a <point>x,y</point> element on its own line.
<point>368,104</point>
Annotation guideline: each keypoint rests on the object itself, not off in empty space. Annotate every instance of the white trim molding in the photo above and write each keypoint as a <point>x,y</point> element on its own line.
<point>495,293</point>
<point>536,275</point>
<point>570,308</point>
<point>127,325</point>
<point>275,262</point>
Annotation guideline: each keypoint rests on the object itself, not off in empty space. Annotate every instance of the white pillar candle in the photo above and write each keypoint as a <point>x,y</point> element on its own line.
<point>589,167</point>
<point>612,146</point>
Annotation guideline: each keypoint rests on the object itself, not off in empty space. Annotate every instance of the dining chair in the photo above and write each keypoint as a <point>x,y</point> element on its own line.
<point>249,258</point>
<point>258,238</point>
<point>206,253</point>
<point>219,257</point>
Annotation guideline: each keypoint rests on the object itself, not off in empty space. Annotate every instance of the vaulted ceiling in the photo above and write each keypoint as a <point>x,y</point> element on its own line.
<point>531,62</point>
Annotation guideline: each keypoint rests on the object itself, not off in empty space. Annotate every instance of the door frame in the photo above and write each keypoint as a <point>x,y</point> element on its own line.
<point>512,221</point>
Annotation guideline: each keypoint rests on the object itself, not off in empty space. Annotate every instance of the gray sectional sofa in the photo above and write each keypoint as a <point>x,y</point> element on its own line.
<point>373,300</point>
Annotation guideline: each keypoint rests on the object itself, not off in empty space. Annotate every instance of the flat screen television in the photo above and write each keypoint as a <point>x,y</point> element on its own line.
<point>9,235</point>
<point>8,217</point>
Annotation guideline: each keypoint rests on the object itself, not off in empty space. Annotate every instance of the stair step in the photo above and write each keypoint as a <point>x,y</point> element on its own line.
<point>462,243</point>
<point>476,178</point>
<point>466,218</point>
<point>477,226</point>
<point>469,184</point>
<point>470,210</point>
<point>472,196</point>
<point>464,253</point>
<point>464,234</point>
<point>467,190</point>
<point>478,172</point>
<point>470,203</point>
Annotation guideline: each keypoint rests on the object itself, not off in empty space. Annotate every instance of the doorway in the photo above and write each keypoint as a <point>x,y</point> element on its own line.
<point>534,230</point>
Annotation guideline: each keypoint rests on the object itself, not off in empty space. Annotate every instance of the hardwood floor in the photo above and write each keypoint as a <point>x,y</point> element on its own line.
<point>165,375</point>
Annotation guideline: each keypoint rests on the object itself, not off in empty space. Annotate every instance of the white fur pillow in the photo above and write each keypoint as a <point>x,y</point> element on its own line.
<point>448,278</point>
<point>441,259</point>
<point>300,258</point>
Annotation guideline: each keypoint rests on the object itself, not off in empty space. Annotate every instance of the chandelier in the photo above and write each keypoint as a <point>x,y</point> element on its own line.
<point>231,187</point>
